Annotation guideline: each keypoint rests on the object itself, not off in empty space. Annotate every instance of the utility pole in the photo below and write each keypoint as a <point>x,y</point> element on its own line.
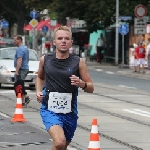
<point>117,33</point>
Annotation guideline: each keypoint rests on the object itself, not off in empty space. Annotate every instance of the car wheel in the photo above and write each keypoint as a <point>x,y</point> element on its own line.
<point>32,86</point>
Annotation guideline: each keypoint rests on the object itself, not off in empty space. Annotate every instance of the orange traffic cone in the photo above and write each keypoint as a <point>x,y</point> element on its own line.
<point>94,143</point>
<point>18,116</point>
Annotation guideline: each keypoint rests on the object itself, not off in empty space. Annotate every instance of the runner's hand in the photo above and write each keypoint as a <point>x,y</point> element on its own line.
<point>39,96</point>
<point>75,80</point>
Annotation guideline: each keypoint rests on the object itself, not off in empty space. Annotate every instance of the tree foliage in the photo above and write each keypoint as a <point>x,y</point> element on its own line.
<point>99,14</point>
<point>17,11</point>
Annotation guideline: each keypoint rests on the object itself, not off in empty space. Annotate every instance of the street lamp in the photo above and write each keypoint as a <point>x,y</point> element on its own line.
<point>117,33</point>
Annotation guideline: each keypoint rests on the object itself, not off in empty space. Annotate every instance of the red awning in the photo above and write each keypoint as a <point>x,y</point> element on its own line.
<point>43,23</point>
<point>27,27</point>
<point>46,23</point>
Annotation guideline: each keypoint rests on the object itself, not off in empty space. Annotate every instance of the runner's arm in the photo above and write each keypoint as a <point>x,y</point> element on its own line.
<point>85,77</point>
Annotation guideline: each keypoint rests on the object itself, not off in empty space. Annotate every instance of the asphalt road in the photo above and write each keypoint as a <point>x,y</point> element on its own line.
<point>120,104</point>
<point>110,76</point>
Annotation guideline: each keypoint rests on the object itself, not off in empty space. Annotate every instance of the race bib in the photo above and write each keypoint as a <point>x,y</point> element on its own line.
<point>60,102</point>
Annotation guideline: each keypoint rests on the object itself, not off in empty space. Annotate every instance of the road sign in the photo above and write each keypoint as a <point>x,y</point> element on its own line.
<point>33,23</point>
<point>140,11</point>
<point>53,15</point>
<point>123,29</point>
<point>34,14</point>
<point>125,17</point>
<point>139,22</point>
<point>139,30</point>
<point>5,24</point>
<point>45,29</point>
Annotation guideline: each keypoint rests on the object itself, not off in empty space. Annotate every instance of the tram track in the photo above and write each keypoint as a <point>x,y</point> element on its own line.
<point>131,92</point>
<point>76,145</point>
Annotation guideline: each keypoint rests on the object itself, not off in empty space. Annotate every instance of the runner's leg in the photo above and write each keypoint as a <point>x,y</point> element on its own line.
<point>57,134</point>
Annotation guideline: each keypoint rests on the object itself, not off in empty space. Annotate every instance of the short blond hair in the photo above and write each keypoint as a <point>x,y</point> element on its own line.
<point>62,28</point>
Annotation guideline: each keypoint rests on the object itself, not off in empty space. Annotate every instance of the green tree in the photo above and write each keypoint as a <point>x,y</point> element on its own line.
<point>99,14</point>
<point>17,11</point>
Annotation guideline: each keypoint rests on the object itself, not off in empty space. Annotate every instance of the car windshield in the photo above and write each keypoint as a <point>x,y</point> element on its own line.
<point>9,53</point>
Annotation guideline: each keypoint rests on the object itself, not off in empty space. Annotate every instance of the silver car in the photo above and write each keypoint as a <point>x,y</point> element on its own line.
<point>7,69</point>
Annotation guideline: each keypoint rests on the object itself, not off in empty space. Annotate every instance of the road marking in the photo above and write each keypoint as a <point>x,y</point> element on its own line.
<point>109,72</point>
<point>118,95</point>
<point>99,69</point>
<point>13,92</point>
<point>70,148</point>
<point>145,112</point>
<point>4,115</point>
<point>8,91</point>
<point>127,87</point>
<point>138,112</point>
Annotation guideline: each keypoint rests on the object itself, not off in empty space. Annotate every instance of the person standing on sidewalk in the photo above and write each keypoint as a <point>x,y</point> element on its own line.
<point>135,58</point>
<point>61,74</point>
<point>148,55</point>
<point>100,46</point>
<point>140,54</point>
<point>21,61</point>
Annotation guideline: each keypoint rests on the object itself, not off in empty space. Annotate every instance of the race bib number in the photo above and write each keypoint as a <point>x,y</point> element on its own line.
<point>60,102</point>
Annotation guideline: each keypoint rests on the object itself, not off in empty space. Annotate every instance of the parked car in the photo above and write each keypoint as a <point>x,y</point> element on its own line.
<point>2,43</point>
<point>6,42</point>
<point>7,69</point>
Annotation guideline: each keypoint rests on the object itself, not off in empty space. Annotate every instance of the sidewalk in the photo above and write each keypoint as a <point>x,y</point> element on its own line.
<point>121,71</point>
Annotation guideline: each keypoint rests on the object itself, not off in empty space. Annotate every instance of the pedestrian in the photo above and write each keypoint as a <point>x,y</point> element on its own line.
<point>61,74</point>
<point>21,65</point>
<point>148,55</point>
<point>140,54</point>
<point>135,57</point>
<point>100,46</point>
<point>142,39</point>
<point>39,42</point>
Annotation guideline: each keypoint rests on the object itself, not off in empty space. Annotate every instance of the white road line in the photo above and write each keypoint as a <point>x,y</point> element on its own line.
<point>109,72</point>
<point>4,115</point>
<point>127,87</point>
<point>121,95</point>
<point>144,112</point>
<point>99,69</point>
<point>8,91</point>
<point>70,148</point>
<point>137,112</point>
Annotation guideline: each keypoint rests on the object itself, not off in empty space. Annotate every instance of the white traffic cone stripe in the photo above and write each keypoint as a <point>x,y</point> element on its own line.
<point>18,111</point>
<point>94,129</point>
<point>19,101</point>
<point>94,144</point>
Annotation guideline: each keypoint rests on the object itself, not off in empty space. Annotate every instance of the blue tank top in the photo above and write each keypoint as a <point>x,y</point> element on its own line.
<point>57,73</point>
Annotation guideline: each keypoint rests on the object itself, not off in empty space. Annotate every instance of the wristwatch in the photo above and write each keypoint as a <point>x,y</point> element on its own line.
<point>84,86</point>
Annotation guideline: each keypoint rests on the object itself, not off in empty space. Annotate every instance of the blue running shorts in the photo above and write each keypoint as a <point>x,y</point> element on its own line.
<point>67,121</point>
